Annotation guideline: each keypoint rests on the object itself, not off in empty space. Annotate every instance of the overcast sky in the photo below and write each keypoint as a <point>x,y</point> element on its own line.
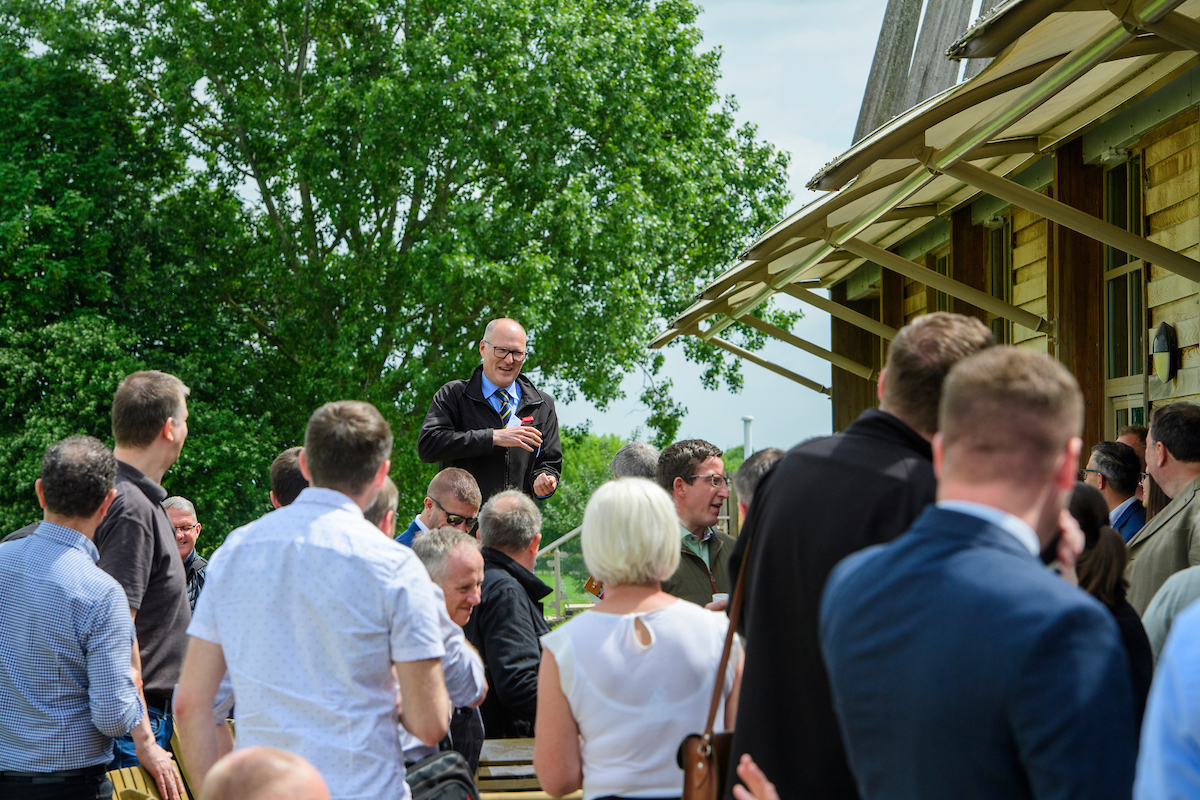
<point>797,69</point>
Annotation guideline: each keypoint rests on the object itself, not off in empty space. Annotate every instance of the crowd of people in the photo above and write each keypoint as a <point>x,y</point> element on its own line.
<point>938,601</point>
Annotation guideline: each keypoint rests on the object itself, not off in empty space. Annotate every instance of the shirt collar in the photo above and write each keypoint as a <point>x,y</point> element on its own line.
<point>420,525</point>
<point>1116,513</point>
<point>68,537</point>
<point>315,495</point>
<point>1001,519</point>
<point>490,388</point>
<point>149,488</point>
<point>704,537</point>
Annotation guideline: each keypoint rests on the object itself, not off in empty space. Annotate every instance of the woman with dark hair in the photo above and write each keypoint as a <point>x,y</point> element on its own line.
<point>1156,498</point>
<point>1101,571</point>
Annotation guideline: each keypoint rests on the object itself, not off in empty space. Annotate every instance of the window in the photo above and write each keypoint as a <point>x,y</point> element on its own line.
<point>1124,303</point>
<point>1000,248</point>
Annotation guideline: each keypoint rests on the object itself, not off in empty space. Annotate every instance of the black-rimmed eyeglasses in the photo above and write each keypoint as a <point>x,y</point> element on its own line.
<point>502,353</point>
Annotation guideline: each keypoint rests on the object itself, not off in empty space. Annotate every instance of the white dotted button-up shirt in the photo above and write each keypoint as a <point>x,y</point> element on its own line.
<point>311,605</point>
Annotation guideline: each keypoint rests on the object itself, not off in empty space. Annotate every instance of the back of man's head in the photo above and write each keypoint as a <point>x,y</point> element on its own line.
<point>142,404</point>
<point>1120,466</point>
<point>746,479</point>
<point>636,460</point>
<point>919,359</point>
<point>681,459</point>
<point>456,483</point>
<point>385,500</point>
<point>508,522</point>
<point>77,474</point>
<point>1134,431</point>
<point>263,773</point>
<point>345,444</point>
<point>434,548</point>
<point>1177,427</point>
<point>1007,415</point>
<point>287,480</point>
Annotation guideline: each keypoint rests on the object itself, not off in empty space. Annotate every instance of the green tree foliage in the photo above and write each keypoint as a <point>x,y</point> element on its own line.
<point>294,201</point>
<point>586,457</point>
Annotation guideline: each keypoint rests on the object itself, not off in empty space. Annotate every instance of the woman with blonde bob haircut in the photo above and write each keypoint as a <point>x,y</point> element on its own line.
<point>622,684</point>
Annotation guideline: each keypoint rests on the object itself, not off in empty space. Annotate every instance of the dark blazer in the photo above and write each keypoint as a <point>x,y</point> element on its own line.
<point>1132,520</point>
<point>457,432</point>
<point>962,667</point>
<point>410,533</point>
<point>823,500</point>
<point>506,628</point>
<point>693,581</point>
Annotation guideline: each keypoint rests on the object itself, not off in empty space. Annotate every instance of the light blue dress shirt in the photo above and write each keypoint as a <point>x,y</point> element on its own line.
<point>1001,519</point>
<point>1169,758</point>
<point>66,638</point>
<point>489,391</point>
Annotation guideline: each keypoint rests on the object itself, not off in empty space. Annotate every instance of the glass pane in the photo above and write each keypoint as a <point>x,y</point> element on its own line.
<point>1118,327</point>
<point>943,268</point>
<point>1116,209</point>
<point>1122,418</point>
<point>1137,329</point>
<point>1137,416</point>
<point>1135,195</point>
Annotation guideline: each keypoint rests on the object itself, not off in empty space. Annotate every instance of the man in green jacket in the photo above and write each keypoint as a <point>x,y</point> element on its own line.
<point>693,474</point>
<point>1170,542</point>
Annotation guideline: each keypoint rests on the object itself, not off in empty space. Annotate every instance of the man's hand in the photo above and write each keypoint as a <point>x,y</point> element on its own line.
<point>757,786</point>
<point>160,765</point>
<point>544,484</point>
<point>526,437</point>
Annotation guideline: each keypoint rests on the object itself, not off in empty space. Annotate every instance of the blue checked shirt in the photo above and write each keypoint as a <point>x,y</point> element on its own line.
<point>66,639</point>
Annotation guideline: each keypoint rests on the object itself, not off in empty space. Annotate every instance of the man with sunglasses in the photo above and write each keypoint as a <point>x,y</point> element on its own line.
<point>452,500</point>
<point>496,424</point>
<point>693,474</point>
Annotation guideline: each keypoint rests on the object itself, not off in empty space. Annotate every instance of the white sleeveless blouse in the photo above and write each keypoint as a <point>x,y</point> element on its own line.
<point>634,703</point>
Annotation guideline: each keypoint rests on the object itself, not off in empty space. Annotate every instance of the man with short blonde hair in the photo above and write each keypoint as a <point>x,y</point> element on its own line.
<point>452,500</point>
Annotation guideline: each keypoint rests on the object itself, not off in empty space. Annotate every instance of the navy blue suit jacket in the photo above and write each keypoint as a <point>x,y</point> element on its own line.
<point>961,667</point>
<point>1132,520</point>
<point>409,534</point>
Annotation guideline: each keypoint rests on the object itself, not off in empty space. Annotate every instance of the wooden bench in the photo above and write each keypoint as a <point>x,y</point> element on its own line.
<point>133,783</point>
<point>506,772</point>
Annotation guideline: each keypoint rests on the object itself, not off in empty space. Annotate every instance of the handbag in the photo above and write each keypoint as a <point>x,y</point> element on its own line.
<point>704,757</point>
<point>442,776</point>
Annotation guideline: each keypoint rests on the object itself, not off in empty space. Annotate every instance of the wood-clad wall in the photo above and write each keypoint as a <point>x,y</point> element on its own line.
<point>1029,273</point>
<point>1171,160</point>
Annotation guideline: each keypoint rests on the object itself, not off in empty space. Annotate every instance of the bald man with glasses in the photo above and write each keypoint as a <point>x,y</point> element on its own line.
<point>496,424</point>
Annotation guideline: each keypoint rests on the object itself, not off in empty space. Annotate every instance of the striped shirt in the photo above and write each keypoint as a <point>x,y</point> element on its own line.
<point>66,639</point>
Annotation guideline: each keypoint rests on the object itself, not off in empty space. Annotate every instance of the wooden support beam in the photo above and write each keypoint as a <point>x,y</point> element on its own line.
<point>840,311</point>
<point>852,393</point>
<point>1076,220</point>
<point>968,260</point>
<point>742,352</point>
<point>1175,27</point>
<point>897,263</point>
<point>848,364</point>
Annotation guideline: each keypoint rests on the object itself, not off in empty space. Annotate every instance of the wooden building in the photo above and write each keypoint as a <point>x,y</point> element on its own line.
<point>1055,194</point>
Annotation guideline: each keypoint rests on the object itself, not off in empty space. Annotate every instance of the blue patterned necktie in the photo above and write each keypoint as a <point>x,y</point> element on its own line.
<point>506,409</point>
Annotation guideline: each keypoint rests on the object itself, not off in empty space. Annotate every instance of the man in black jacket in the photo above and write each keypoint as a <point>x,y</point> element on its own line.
<point>507,625</point>
<point>496,425</point>
<point>824,500</point>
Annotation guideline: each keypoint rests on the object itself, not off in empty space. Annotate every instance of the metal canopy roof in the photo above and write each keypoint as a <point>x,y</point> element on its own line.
<point>1060,68</point>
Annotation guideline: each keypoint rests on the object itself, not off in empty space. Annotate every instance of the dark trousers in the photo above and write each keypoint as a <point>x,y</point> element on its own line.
<point>466,735</point>
<point>97,787</point>
<point>163,726</point>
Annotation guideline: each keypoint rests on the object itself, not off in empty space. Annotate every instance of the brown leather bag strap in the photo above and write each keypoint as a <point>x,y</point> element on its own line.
<point>735,607</point>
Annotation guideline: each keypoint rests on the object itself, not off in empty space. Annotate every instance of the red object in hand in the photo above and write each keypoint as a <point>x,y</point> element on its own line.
<point>526,419</point>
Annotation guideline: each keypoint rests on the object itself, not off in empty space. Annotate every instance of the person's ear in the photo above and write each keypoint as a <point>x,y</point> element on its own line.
<point>1068,471</point>
<point>879,384</point>
<point>304,467</point>
<point>428,504</point>
<point>677,486</point>
<point>381,474</point>
<point>939,454</point>
<point>535,544</point>
<point>41,495</point>
<point>275,500</point>
<point>168,430</point>
<point>389,524</point>
<point>108,501</point>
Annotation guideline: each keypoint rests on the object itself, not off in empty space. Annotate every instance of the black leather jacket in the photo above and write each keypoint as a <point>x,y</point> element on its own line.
<point>457,432</point>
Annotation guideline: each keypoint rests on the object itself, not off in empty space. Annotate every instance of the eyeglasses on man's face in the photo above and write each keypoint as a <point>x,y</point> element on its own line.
<point>502,353</point>
<point>455,519</point>
<point>717,481</point>
<point>1083,473</point>
<point>186,528</point>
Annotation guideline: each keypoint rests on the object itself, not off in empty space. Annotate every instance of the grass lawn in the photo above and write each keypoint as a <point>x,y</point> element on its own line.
<point>574,587</point>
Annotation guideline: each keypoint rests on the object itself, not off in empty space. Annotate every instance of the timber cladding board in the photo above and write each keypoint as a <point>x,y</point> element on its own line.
<point>1173,192</point>
<point>1032,272</point>
<point>1169,139</point>
<point>1176,312</point>
<point>1026,254</point>
<point>1186,382</point>
<point>1187,332</point>
<point>1172,166</point>
<point>1178,214</point>
<point>1179,237</point>
<point>1169,290</point>
<point>1027,291</point>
